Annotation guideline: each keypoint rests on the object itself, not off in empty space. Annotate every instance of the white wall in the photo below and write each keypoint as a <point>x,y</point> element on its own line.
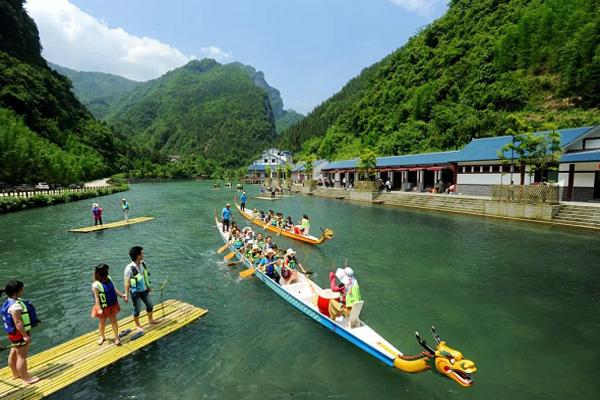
<point>582,179</point>
<point>491,179</point>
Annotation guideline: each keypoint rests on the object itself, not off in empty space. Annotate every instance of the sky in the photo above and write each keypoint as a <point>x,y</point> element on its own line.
<point>308,49</point>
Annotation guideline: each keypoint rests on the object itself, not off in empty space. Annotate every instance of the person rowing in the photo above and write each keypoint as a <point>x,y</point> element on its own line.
<point>289,273</point>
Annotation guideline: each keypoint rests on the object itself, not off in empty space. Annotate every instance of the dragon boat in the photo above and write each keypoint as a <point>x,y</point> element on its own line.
<point>304,294</point>
<point>326,233</point>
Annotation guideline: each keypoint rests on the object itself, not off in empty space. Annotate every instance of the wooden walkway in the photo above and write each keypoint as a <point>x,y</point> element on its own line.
<point>110,225</point>
<point>69,362</point>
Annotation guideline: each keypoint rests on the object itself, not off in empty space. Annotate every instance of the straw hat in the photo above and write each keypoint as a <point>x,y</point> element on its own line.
<point>290,252</point>
<point>349,272</point>
<point>270,251</point>
<point>256,247</point>
<point>95,205</point>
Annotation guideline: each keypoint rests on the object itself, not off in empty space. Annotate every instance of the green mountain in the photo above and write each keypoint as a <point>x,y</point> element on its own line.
<point>201,109</point>
<point>46,134</point>
<point>101,92</point>
<point>97,90</point>
<point>461,76</point>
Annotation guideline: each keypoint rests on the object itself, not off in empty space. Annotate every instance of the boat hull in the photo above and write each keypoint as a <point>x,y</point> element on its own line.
<point>386,354</point>
<point>282,232</point>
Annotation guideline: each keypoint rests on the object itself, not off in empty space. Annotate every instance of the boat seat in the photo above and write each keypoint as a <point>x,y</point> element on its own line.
<point>353,319</point>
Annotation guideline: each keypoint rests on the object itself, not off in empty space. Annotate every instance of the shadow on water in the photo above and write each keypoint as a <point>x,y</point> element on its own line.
<point>518,299</point>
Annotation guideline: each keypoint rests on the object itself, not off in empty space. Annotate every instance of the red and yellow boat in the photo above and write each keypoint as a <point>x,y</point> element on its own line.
<point>326,235</point>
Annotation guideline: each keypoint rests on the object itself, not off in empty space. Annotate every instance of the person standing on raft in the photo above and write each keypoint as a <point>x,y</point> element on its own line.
<point>137,283</point>
<point>125,208</point>
<point>226,217</point>
<point>97,214</point>
<point>106,304</point>
<point>243,201</point>
<point>19,317</point>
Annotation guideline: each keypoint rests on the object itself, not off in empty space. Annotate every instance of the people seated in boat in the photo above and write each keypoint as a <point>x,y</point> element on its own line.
<point>268,243</point>
<point>267,264</point>
<point>260,241</point>
<point>238,241</point>
<point>289,273</point>
<point>289,225</point>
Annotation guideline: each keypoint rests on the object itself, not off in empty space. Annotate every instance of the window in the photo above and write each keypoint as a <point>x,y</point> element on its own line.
<point>273,160</point>
<point>266,160</point>
<point>496,168</point>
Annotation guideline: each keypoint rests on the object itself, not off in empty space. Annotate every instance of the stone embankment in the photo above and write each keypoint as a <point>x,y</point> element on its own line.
<point>581,215</point>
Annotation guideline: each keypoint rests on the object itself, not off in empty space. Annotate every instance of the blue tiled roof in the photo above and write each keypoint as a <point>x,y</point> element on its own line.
<point>300,166</point>
<point>487,148</point>
<point>343,164</point>
<point>442,157</point>
<point>589,156</point>
<point>258,167</point>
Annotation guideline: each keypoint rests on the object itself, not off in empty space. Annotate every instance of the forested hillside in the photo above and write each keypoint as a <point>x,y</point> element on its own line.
<point>461,76</point>
<point>45,132</point>
<point>97,90</point>
<point>203,108</point>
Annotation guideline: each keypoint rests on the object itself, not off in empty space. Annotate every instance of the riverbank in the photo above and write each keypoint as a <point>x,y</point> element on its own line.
<point>14,203</point>
<point>576,215</point>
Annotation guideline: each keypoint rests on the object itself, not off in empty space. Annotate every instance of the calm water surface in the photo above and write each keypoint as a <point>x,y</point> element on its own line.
<point>521,300</point>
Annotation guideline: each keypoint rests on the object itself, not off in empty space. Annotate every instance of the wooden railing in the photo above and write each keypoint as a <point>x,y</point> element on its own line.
<point>530,194</point>
<point>29,193</point>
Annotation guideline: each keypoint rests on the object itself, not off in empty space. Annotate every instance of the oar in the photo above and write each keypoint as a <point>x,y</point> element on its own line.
<point>230,255</point>
<point>305,272</point>
<point>223,248</point>
<point>162,291</point>
<point>250,271</point>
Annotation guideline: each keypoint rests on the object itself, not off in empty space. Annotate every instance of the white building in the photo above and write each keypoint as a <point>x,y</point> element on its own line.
<point>272,158</point>
<point>477,166</point>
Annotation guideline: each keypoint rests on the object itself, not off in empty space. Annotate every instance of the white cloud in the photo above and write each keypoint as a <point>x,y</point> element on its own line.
<point>78,40</point>
<point>216,53</point>
<point>423,8</point>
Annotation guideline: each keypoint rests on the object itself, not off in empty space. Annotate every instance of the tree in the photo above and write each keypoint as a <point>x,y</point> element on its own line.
<point>288,171</point>
<point>308,169</point>
<point>268,172</point>
<point>367,164</point>
<point>527,149</point>
<point>279,171</point>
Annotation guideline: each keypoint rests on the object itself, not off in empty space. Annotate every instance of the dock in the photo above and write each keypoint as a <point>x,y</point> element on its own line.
<point>69,362</point>
<point>110,225</point>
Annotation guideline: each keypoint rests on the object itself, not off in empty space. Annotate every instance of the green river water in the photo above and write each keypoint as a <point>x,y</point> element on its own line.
<point>519,299</point>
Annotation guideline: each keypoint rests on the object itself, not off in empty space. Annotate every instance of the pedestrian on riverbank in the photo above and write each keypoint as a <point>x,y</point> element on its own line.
<point>226,217</point>
<point>125,208</point>
<point>19,317</point>
<point>106,303</point>
<point>97,214</point>
<point>137,285</point>
<point>243,201</point>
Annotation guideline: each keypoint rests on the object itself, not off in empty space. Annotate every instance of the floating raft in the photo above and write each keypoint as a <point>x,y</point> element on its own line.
<point>69,362</point>
<point>266,198</point>
<point>112,225</point>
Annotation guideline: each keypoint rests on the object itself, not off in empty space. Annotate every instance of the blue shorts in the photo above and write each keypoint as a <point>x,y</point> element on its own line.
<point>135,300</point>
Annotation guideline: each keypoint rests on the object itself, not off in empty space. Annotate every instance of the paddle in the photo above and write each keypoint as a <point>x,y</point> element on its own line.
<point>250,271</point>
<point>223,248</point>
<point>305,272</point>
<point>162,291</point>
<point>230,255</point>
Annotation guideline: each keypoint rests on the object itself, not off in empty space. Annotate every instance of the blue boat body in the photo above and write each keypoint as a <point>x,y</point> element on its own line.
<point>317,316</point>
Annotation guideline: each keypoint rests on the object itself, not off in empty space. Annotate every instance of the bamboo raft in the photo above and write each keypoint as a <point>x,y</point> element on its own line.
<point>69,362</point>
<point>110,225</point>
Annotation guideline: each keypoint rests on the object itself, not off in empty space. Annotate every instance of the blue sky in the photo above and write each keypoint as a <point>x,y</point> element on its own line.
<point>308,49</point>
